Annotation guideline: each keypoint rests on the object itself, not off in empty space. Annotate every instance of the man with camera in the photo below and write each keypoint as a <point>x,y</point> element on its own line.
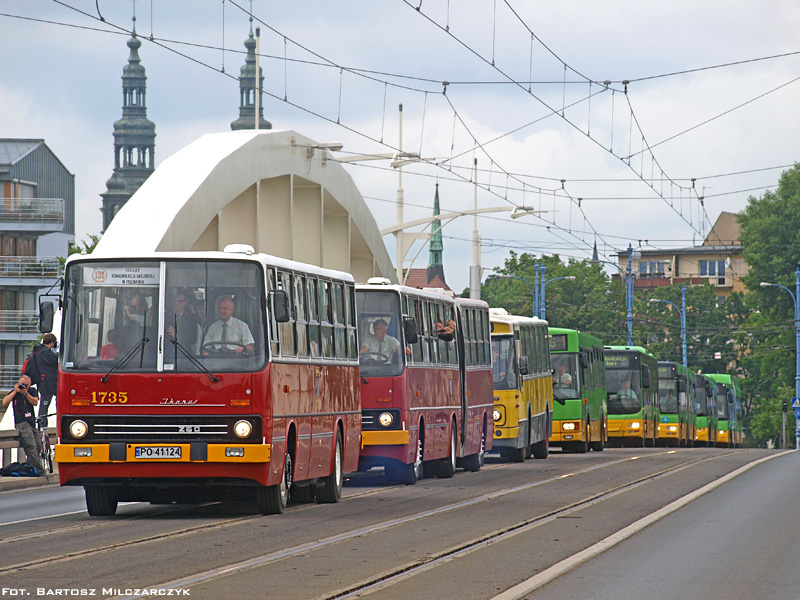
<point>25,399</point>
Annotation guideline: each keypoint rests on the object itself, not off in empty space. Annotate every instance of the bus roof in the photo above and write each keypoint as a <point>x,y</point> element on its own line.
<point>586,339</point>
<point>500,315</point>
<point>266,260</point>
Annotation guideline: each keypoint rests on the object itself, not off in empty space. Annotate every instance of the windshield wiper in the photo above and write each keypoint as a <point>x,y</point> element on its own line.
<point>127,358</point>
<point>193,360</point>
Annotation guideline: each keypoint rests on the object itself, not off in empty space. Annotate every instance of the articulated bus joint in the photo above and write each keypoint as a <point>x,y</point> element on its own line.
<point>198,452</point>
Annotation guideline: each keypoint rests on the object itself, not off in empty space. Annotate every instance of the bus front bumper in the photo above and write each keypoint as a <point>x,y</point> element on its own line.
<point>162,453</point>
<point>622,428</point>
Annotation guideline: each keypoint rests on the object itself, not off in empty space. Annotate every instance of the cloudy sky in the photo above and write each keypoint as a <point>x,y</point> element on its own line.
<point>711,95</point>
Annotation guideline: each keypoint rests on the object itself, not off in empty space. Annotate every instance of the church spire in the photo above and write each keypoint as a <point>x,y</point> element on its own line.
<point>435,264</point>
<point>134,137</point>
<point>247,90</point>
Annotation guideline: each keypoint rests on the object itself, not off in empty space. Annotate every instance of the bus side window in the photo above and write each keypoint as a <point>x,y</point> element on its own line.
<point>287,329</point>
<point>432,333</point>
<point>350,317</point>
<point>274,329</point>
<point>326,319</point>
<point>339,327</point>
<point>301,325</point>
<point>313,317</point>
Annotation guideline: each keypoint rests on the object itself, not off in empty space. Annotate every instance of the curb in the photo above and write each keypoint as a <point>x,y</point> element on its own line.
<point>10,484</point>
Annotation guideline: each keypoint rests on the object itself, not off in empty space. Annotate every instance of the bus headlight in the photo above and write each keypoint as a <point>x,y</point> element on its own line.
<point>568,426</point>
<point>385,419</point>
<point>78,429</point>
<point>242,429</point>
<point>636,425</point>
<point>496,415</point>
<point>672,428</point>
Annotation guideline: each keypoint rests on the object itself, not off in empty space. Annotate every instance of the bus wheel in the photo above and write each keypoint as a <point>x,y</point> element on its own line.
<point>272,499</point>
<point>582,447</point>
<point>302,494</point>
<point>329,489</point>
<point>446,467</point>
<point>542,448</point>
<point>518,455</point>
<point>100,501</point>
<point>599,445</point>
<point>411,473</point>
<point>474,462</point>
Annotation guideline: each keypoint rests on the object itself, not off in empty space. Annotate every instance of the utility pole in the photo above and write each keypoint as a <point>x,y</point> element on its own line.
<point>475,269</point>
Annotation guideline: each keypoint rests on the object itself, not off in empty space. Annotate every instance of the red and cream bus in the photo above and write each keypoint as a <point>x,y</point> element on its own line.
<point>426,386</point>
<point>219,375</point>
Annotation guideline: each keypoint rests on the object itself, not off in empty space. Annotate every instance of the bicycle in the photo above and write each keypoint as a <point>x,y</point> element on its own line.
<point>46,456</point>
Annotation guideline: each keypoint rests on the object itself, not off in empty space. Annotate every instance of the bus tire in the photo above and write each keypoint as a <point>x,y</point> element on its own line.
<point>272,499</point>
<point>101,501</point>
<point>302,494</point>
<point>411,473</point>
<point>599,445</point>
<point>541,449</point>
<point>446,467</point>
<point>329,489</point>
<point>474,462</point>
<point>582,447</point>
<point>519,455</point>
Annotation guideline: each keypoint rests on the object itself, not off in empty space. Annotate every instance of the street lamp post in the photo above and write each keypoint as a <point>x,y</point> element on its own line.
<point>795,297</point>
<point>543,310</point>
<point>682,314</point>
<point>533,293</point>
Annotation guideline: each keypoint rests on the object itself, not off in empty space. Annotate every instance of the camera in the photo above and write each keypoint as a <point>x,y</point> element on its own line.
<point>23,386</point>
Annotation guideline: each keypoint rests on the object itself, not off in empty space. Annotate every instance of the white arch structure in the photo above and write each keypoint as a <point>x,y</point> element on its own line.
<point>274,190</point>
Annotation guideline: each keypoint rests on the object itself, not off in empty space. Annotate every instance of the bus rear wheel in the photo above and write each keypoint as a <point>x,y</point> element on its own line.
<point>329,489</point>
<point>101,501</point>
<point>272,499</point>
<point>446,467</point>
<point>541,448</point>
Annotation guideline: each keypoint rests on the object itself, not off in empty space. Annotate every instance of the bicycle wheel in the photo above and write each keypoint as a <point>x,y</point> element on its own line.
<point>47,453</point>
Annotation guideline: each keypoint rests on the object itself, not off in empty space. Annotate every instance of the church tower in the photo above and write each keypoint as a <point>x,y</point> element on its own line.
<point>435,262</point>
<point>134,137</point>
<point>247,90</point>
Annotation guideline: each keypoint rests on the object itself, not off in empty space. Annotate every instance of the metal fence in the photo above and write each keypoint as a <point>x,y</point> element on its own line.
<point>30,267</point>
<point>19,321</point>
<point>32,210</point>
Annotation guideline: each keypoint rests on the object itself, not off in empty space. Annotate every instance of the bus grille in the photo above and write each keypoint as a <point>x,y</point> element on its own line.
<point>160,429</point>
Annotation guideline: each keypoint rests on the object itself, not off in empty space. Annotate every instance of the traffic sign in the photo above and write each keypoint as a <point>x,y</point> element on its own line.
<point>795,402</point>
<point>797,413</point>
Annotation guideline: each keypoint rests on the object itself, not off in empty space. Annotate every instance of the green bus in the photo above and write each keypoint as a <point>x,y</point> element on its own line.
<point>705,393</point>
<point>632,396</point>
<point>728,408</point>
<point>580,416</point>
<point>677,421</point>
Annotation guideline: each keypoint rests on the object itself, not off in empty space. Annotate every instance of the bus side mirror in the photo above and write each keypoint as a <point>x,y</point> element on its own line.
<point>645,376</point>
<point>46,312</point>
<point>410,330</point>
<point>523,365</point>
<point>280,305</point>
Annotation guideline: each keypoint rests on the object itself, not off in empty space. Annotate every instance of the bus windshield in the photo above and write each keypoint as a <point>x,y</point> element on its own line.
<point>565,376</point>
<point>381,351</point>
<point>174,316</point>
<point>504,373</point>
<point>722,402</point>
<point>624,392</point>
<point>667,395</point>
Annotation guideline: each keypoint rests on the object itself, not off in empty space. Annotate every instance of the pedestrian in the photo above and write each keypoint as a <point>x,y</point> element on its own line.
<point>45,362</point>
<point>25,398</point>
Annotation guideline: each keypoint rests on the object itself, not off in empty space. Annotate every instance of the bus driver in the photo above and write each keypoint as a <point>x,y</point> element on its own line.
<point>228,331</point>
<point>379,344</point>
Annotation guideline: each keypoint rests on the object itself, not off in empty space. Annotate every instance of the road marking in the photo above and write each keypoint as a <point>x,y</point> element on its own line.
<point>520,590</point>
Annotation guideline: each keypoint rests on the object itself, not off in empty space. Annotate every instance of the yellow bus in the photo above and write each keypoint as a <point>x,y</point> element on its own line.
<point>523,385</point>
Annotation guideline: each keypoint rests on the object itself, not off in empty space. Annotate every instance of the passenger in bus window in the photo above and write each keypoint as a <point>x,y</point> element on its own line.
<point>183,323</point>
<point>228,333</point>
<point>445,331</point>
<point>136,310</point>
<point>379,345</point>
<point>111,349</point>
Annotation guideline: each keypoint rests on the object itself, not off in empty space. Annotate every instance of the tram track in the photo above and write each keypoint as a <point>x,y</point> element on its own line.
<point>411,568</point>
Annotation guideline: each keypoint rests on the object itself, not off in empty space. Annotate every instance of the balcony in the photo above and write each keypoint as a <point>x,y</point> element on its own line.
<point>28,271</point>
<point>9,375</point>
<point>32,215</point>
<point>19,325</point>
